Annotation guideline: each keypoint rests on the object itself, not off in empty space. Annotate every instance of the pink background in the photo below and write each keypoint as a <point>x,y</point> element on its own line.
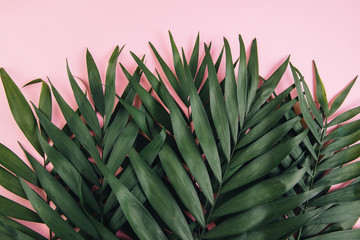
<point>37,37</point>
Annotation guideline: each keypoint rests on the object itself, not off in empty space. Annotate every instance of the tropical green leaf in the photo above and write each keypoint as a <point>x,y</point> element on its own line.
<point>189,149</point>
<point>12,162</point>
<point>38,80</point>
<point>340,175</point>
<point>8,233</point>
<point>15,210</point>
<point>95,84</point>
<point>353,234</point>
<point>320,92</point>
<point>128,177</point>
<point>153,106</point>
<point>11,183</point>
<point>343,142</point>
<point>345,116</point>
<point>260,193</point>
<point>265,126</point>
<point>268,87</point>
<point>253,74</point>
<point>15,225</point>
<point>139,218</point>
<point>230,93</point>
<point>341,97</point>
<point>178,65</point>
<point>21,110</point>
<point>61,197</point>
<point>242,83</point>
<point>76,125</point>
<point>260,146</point>
<point>280,229</point>
<point>262,165</point>
<point>170,76</point>
<point>61,228</point>
<point>181,182</point>
<point>339,213</point>
<point>109,95</point>
<point>122,146</point>
<point>310,101</point>
<point>120,115</point>
<point>343,130</point>
<point>202,126</point>
<point>304,107</point>
<point>218,108</point>
<point>346,194</point>
<point>84,105</point>
<point>267,109</point>
<point>159,197</point>
<point>342,157</point>
<point>69,174</point>
<point>194,59</point>
<point>258,216</point>
<point>68,148</point>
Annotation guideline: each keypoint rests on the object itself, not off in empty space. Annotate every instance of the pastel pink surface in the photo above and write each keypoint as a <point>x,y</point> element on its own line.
<point>38,36</point>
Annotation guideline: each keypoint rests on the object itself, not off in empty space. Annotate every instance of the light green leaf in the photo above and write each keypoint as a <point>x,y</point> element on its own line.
<point>57,225</point>
<point>345,156</point>
<point>21,110</point>
<point>95,83</point>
